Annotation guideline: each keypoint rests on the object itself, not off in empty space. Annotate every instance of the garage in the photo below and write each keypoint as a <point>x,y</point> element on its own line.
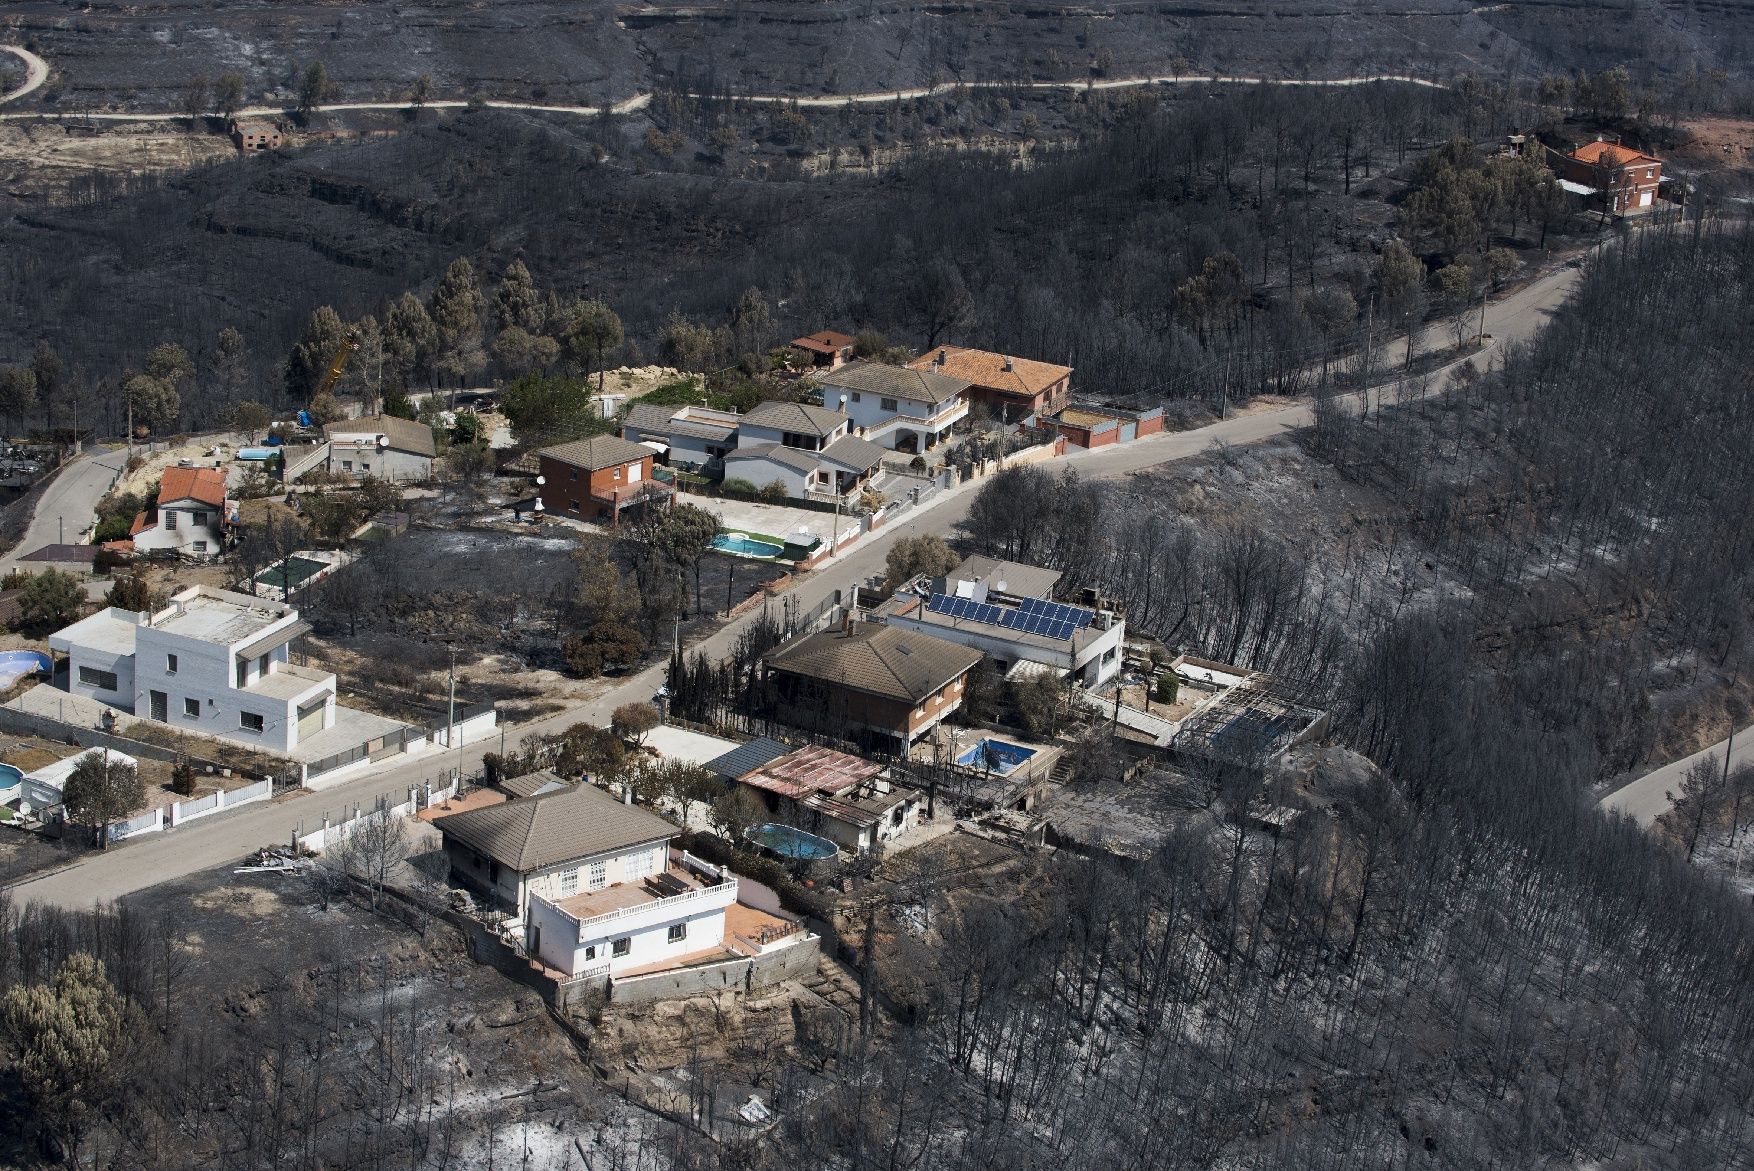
<point>310,719</point>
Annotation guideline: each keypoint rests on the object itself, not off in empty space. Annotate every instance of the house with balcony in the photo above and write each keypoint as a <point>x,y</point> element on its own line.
<point>1612,178</point>
<point>682,437</point>
<point>879,682</point>
<point>1011,389</point>
<point>896,407</point>
<point>190,517</point>
<point>599,478</point>
<point>1005,611</point>
<point>211,662</point>
<point>808,450</point>
<point>382,446</point>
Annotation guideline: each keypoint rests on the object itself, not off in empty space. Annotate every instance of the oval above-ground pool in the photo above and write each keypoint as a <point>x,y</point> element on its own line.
<point>744,545</point>
<point>15,665</point>
<point>789,842</point>
<point>11,780</point>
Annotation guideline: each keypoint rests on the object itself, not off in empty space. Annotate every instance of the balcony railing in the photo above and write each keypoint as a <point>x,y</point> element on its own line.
<point>724,894</point>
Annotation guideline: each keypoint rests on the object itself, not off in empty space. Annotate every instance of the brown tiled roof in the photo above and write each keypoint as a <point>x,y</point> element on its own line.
<point>529,833</point>
<point>824,341</point>
<point>800,417</point>
<point>926,386</point>
<point>204,484</point>
<point>987,369</point>
<point>887,661</point>
<point>1610,154</point>
<point>597,452</point>
<point>409,435</point>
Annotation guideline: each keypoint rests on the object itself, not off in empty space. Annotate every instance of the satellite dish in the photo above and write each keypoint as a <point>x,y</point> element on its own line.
<point>383,442</point>
<point>541,480</point>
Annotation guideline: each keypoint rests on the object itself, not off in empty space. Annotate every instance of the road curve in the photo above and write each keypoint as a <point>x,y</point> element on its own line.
<point>640,100</point>
<point>36,71</point>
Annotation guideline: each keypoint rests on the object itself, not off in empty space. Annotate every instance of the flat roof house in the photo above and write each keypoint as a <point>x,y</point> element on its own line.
<point>1011,388</point>
<point>899,408</point>
<point>192,514</point>
<point>1001,614</point>
<point>211,661</point>
<point>824,349</point>
<point>848,800</point>
<point>883,681</point>
<point>384,446</point>
<point>599,478</point>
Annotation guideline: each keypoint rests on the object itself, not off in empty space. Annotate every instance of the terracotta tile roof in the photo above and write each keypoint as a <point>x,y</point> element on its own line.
<point>799,417</point>
<point>139,526</point>
<point>880,660</point>
<point>597,452</point>
<point>409,435</point>
<point>1610,154</point>
<point>579,821</point>
<point>824,341</point>
<point>920,385</point>
<point>204,484</point>
<point>987,369</point>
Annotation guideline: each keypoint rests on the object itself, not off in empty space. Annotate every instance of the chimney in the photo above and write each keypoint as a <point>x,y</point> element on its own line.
<point>1008,366</point>
<point>943,357</point>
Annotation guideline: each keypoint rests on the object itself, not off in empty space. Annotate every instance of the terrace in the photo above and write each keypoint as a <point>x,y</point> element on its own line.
<point>657,896</point>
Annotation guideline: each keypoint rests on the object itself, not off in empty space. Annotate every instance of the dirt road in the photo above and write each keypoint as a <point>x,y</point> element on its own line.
<point>36,71</point>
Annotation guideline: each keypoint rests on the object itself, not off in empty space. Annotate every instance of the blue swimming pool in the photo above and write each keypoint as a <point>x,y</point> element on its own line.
<point>746,546</point>
<point>10,780</point>
<point>788,842</point>
<point>996,756</point>
<point>15,665</point>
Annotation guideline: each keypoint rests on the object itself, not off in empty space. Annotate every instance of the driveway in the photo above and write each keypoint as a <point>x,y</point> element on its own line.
<point>219,840</point>
<point>36,71</point>
<point>776,520</point>
<point>68,506</point>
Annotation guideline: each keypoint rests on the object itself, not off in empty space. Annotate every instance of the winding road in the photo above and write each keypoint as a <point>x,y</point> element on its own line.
<point>163,857</point>
<point>39,72</point>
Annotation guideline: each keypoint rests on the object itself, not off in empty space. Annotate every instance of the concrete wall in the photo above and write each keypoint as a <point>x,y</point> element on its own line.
<point>650,944</point>
<point>363,458</point>
<point>189,532</point>
<point>206,674</point>
<point>120,665</point>
<point>787,963</point>
<point>762,472</point>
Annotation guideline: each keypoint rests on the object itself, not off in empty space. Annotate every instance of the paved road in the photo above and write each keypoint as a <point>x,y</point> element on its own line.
<point>39,72</point>
<point>68,506</point>
<point>161,857</point>
<point>36,71</point>
<point>1646,799</point>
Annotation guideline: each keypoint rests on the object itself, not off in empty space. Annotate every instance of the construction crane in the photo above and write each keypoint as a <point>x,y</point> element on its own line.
<point>345,350</point>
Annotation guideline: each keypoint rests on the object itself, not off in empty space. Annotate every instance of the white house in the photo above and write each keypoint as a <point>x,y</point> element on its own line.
<point>192,514</point>
<point>900,409</point>
<point>212,662</point>
<point>684,437</point>
<point>795,425</point>
<point>383,446</point>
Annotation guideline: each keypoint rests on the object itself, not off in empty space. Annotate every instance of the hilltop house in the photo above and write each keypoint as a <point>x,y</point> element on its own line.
<point>848,800</point>
<point>825,349</point>
<point>598,478</point>
<point>212,661</point>
<point>1012,389</point>
<point>1615,179</point>
<point>899,408</point>
<point>383,446</point>
<point>882,681</point>
<point>192,514</point>
<point>1004,610</point>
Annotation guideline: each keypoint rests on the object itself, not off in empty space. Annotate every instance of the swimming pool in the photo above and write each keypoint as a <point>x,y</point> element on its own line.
<point>10,780</point>
<point>743,545</point>
<point>295,570</point>
<point>788,842</point>
<point>996,756</point>
<point>15,665</point>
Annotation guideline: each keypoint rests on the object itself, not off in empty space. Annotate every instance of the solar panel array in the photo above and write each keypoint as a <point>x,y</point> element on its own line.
<point>1076,615</point>
<point>1053,626</point>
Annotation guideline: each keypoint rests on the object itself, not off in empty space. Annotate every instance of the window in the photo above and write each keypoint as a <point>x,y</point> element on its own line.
<point>170,664</point>
<point>192,708</point>
<point>598,875</point>
<point>200,546</point>
<point>569,883</point>
<point>243,672</point>
<point>591,952</point>
<point>622,946</point>
<point>895,818</point>
<point>678,932</point>
<point>855,396</point>
<point>365,467</point>
<point>170,521</point>
<point>250,721</point>
<point>887,404</point>
<point>102,680</point>
<point>347,465</point>
<point>198,519</point>
<point>618,473</point>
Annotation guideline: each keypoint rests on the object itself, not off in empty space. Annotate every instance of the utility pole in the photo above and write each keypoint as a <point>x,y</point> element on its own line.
<point>451,711</point>
<point>1482,316</point>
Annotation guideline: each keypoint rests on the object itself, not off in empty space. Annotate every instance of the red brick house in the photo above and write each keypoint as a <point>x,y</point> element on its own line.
<point>824,349</point>
<point>1011,388</point>
<point>1622,181</point>
<point>255,135</point>
<point>598,478</point>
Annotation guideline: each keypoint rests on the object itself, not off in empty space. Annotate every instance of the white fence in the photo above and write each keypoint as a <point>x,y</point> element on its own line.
<point>333,833</point>
<point>178,812</point>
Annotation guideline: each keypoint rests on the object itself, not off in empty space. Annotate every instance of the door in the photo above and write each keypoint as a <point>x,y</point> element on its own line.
<point>633,471</point>
<point>160,706</point>
<point>310,719</point>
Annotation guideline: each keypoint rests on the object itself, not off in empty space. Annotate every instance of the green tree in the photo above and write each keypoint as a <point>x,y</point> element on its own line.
<point>592,332</point>
<point>1041,704</point>
<point>1397,271</point>
<point>631,721</point>
<point>547,409</point>
<point>228,94</point>
<point>516,303</point>
<point>411,342</point>
<point>69,1040</point>
<point>678,538</point>
<point>252,418</point>
<point>131,592</point>
<point>101,790</point>
<point>520,352</point>
<point>195,99</point>
<point>1455,286</point>
<point>309,362</point>
<point>314,88</point>
<point>688,345</point>
<point>911,556</point>
<point>456,309</point>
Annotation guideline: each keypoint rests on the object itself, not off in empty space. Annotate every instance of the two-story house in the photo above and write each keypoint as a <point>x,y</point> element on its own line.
<point>598,478</point>
<point>211,662</point>
<point>806,449</point>
<point>1012,389</point>
<point>382,446</point>
<point>883,682</point>
<point>192,514</point>
<point>895,407</point>
<point>690,437</point>
<point>824,349</point>
<point>1620,181</point>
